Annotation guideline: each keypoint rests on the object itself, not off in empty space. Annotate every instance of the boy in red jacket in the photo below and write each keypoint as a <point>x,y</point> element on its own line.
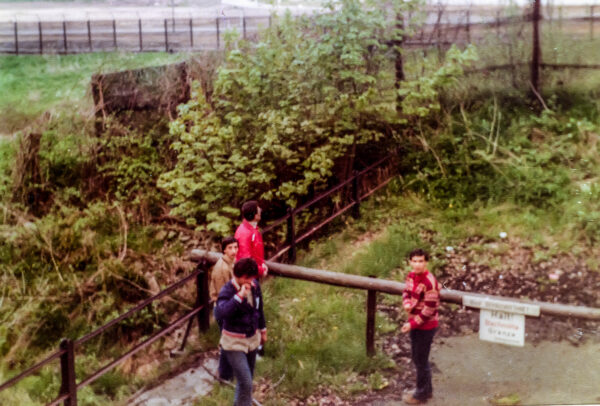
<point>249,237</point>
<point>421,300</point>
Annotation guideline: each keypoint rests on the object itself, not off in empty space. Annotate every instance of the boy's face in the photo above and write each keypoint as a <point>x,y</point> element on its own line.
<point>231,250</point>
<point>244,280</point>
<point>418,264</point>
<point>258,214</point>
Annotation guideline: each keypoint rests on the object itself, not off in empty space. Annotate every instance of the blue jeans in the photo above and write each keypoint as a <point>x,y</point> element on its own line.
<point>243,370</point>
<point>225,371</point>
<point>420,345</point>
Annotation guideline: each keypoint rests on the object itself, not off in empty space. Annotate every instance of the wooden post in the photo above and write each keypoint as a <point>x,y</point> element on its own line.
<point>89,32</point>
<point>16,38</point>
<point>218,40</point>
<point>41,38</point>
<point>114,24</point>
<point>371,310</point>
<point>291,235</point>
<point>537,52</point>
<point>355,196</point>
<point>191,34</point>
<point>166,37</point>
<point>65,36</point>
<point>67,372</point>
<point>140,34</point>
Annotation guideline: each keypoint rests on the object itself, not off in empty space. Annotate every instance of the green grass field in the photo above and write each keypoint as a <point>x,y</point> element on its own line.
<point>32,85</point>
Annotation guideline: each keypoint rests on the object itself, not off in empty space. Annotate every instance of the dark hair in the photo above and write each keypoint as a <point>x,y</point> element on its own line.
<point>418,252</point>
<point>245,267</point>
<point>226,241</point>
<point>249,209</point>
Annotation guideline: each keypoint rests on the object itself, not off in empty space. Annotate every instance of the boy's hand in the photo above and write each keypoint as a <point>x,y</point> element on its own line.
<point>265,270</point>
<point>245,290</point>
<point>405,328</point>
<point>263,336</point>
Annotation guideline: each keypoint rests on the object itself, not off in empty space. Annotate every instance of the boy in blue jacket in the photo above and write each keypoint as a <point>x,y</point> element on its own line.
<point>240,306</point>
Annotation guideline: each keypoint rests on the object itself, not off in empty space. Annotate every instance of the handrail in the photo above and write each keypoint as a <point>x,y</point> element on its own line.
<point>396,288</point>
<point>354,204</point>
<point>66,353</point>
<point>31,370</point>
<point>143,304</point>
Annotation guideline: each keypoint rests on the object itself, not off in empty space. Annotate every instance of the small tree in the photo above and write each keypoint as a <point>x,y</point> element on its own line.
<point>285,111</point>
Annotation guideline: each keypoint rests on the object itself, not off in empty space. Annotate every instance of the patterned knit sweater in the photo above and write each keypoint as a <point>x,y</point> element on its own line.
<point>421,299</point>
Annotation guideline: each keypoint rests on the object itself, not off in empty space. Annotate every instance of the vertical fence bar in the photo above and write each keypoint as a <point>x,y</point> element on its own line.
<point>114,24</point>
<point>244,26</point>
<point>355,196</point>
<point>140,34</point>
<point>371,309</point>
<point>166,37</point>
<point>203,298</point>
<point>291,235</point>
<point>16,38</point>
<point>89,32</point>
<point>560,18</point>
<point>67,371</point>
<point>498,24</point>
<point>191,34</point>
<point>591,22</point>
<point>64,23</point>
<point>41,38</point>
<point>536,54</point>
<point>398,62</point>
<point>468,28</point>
<point>218,35</point>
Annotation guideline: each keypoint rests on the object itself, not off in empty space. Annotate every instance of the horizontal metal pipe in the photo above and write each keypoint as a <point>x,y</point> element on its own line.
<point>136,308</point>
<point>31,370</point>
<point>138,347</point>
<point>396,288</point>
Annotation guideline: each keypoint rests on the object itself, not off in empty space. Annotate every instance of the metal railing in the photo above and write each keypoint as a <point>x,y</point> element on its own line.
<point>67,349</point>
<point>375,285</point>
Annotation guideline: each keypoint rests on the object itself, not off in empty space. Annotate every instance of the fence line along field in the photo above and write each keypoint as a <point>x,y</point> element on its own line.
<point>439,26</point>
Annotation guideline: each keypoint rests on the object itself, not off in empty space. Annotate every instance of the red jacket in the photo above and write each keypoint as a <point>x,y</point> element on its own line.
<point>250,244</point>
<point>421,298</point>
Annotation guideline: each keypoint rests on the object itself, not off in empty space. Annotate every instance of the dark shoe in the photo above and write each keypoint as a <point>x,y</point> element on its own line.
<point>409,399</point>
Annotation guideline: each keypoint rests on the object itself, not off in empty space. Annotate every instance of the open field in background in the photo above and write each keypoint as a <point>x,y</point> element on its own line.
<point>32,85</point>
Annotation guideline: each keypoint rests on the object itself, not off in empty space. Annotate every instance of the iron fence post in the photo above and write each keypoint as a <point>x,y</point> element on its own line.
<point>191,34</point>
<point>218,40</point>
<point>140,34</point>
<point>244,25</point>
<point>591,22</point>
<point>355,196</point>
<point>16,38</point>
<point>371,309</point>
<point>537,52</point>
<point>89,32</point>
<point>203,297</point>
<point>67,371</point>
<point>166,37</point>
<point>291,235</point>
<point>468,26</point>
<point>64,24</point>
<point>114,24</point>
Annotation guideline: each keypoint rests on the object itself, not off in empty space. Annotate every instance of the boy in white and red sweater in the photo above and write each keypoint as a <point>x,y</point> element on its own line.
<point>421,300</point>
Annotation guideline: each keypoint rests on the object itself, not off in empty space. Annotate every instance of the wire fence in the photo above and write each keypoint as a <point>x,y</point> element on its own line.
<point>438,26</point>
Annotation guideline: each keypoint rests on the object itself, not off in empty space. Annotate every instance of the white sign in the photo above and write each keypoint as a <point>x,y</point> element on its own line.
<point>502,327</point>
<point>501,305</point>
